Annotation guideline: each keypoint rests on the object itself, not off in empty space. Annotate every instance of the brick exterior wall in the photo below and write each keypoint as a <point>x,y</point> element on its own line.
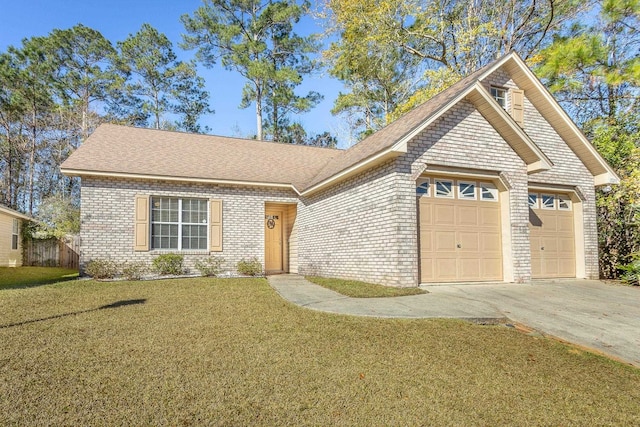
<point>362,228</point>
<point>107,218</point>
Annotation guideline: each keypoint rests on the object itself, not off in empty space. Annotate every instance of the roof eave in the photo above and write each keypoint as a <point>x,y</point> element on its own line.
<point>107,174</point>
<point>15,213</point>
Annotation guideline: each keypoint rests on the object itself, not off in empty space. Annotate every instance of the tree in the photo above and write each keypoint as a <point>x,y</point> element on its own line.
<point>256,39</point>
<point>595,70</point>
<point>448,39</point>
<point>156,84</point>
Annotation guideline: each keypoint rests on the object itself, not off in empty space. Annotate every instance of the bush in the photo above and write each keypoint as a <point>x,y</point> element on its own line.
<point>210,267</point>
<point>252,267</point>
<point>101,269</point>
<point>134,270</point>
<point>168,264</point>
<point>631,271</point>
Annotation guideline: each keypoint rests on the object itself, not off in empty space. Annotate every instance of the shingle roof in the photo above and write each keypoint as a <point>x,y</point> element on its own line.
<point>137,151</point>
<point>127,150</point>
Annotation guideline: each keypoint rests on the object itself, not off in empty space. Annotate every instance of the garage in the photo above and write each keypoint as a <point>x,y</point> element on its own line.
<point>552,235</point>
<point>459,230</point>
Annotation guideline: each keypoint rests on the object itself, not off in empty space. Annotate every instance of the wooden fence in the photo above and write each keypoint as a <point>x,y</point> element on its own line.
<point>64,252</point>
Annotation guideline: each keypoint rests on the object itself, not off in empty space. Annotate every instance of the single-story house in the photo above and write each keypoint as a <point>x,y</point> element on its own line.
<point>10,238</point>
<point>489,180</point>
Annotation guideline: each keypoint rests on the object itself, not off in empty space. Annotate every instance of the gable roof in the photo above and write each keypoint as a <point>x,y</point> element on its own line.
<point>14,213</point>
<point>144,153</point>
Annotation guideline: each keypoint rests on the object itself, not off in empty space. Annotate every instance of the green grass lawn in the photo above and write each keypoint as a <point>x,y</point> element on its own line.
<point>232,352</point>
<point>30,276</point>
<point>357,289</point>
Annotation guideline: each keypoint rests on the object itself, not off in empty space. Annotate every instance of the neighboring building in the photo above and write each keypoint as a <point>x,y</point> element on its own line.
<point>488,180</point>
<point>10,237</point>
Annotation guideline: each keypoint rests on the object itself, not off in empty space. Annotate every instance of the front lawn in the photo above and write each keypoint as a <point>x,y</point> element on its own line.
<point>30,276</point>
<point>232,352</point>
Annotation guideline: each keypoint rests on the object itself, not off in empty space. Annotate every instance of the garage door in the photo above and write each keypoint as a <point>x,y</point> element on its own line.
<point>459,231</point>
<point>552,235</point>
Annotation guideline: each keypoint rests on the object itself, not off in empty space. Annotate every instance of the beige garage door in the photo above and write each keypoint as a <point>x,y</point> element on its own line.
<point>459,231</point>
<point>552,236</point>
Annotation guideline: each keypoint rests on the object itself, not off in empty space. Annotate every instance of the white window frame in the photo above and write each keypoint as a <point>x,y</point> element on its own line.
<point>564,199</point>
<point>493,190</point>
<point>451,194</point>
<point>535,205</point>
<point>180,223</point>
<point>15,234</point>
<point>544,206</point>
<point>419,185</point>
<point>462,196</point>
<point>496,92</point>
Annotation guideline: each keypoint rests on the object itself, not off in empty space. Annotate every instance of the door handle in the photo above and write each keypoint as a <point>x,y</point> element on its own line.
<point>459,246</point>
<point>542,248</point>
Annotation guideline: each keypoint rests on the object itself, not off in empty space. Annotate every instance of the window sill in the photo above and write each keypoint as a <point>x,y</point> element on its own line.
<point>176,251</point>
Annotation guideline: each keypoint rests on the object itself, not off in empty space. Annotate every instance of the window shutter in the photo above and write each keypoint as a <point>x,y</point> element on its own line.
<point>517,106</point>
<point>215,224</point>
<point>141,228</point>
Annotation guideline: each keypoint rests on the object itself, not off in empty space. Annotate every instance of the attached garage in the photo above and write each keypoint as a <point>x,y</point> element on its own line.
<point>459,230</point>
<point>552,235</point>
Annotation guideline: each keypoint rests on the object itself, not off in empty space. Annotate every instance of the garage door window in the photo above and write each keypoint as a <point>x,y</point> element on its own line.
<point>533,201</point>
<point>488,192</point>
<point>444,188</point>
<point>564,204</point>
<point>466,190</point>
<point>548,201</point>
<point>424,187</point>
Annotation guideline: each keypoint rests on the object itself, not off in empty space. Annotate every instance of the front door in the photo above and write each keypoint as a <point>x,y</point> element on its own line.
<point>273,240</point>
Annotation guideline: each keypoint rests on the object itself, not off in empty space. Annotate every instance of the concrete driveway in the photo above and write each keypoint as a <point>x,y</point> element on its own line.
<point>585,312</point>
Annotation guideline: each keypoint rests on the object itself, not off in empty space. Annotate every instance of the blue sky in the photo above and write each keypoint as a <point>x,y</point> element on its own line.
<point>116,19</point>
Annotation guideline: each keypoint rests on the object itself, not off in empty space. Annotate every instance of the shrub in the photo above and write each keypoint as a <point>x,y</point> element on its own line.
<point>211,266</point>
<point>252,267</point>
<point>631,271</point>
<point>134,270</point>
<point>101,269</point>
<point>168,264</point>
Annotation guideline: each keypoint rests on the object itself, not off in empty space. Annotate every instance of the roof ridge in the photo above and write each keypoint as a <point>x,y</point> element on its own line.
<point>205,135</point>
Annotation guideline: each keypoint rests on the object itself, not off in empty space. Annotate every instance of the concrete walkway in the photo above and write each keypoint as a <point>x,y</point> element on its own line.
<point>585,312</point>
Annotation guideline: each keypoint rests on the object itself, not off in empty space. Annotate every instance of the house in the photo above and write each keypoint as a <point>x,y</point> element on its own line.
<point>489,180</point>
<point>10,238</point>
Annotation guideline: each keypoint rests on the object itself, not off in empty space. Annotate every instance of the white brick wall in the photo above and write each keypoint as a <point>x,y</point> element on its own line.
<point>108,212</point>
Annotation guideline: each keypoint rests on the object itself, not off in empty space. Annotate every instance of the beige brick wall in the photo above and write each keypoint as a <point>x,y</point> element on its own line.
<point>108,218</point>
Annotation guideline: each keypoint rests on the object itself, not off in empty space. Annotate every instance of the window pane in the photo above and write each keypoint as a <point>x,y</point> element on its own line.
<point>444,189</point>
<point>564,203</point>
<point>14,242</point>
<point>488,192</point>
<point>466,190</point>
<point>548,201</point>
<point>194,211</point>
<point>164,236</point>
<point>194,237</point>
<point>533,201</point>
<point>424,188</point>
<point>500,95</point>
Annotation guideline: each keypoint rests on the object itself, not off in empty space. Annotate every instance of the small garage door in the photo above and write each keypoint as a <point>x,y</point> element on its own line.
<point>552,236</point>
<point>459,231</point>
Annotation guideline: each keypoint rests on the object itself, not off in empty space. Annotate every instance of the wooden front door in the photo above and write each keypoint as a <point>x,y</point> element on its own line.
<point>273,240</point>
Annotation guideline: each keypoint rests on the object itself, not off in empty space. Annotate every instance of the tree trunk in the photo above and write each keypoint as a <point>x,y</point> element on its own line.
<point>258,113</point>
<point>32,158</point>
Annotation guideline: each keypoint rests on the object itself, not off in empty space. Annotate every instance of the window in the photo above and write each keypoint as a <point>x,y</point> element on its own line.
<point>179,224</point>
<point>423,188</point>
<point>444,188</point>
<point>564,204</point>
<point>14,234</point>
<point>533,201</point>
<point>488,192</point>
<point>548,201</point>
<point>500,95</point>
<point>466,190</point>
